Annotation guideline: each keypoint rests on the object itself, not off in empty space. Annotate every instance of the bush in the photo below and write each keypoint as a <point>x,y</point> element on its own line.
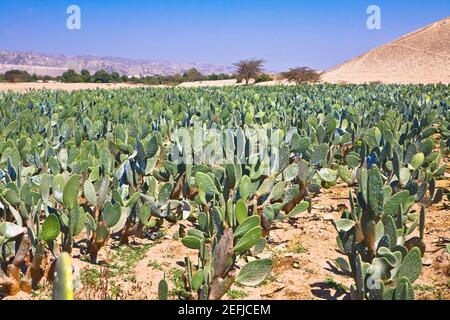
<point>192,75</point>
<point>101,76</point>
<point>86,75</point>
<point>301,75</point>
<point>220,76</point>
<point>17,76</point>
<point>263,77</point>
<point>71,76</point>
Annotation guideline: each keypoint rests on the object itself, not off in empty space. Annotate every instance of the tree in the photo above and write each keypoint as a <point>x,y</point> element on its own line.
<point>192,75</point>
<point>249,69</point>
<point>71,76</point>
<point>17,76</point>
<point>86,75</point>
<point>115,77</point>
<point>101,76</point>
<point>300,75</point>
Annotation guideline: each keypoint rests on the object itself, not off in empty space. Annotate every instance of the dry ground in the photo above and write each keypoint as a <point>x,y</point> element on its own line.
<point>27,86</point>
<point>422,56</point>
<point>231,82</point>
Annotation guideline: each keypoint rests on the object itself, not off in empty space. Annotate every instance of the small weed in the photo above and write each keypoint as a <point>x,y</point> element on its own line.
<point>299,248</point>
<point>155,265</point>
<point>179,291</point>
<point>90,277</point>
<point>431,293</point>
<point>310,270</point>
<point>268,280</point>
<point>115,291</point>
<point>420,287</point>
<point>41,293</point>
<point>98,285</point>
<point>276,251</point>
<point>130,278</point>
<point>236,294</point>
<point>335,285</point>
<point>125,258</point>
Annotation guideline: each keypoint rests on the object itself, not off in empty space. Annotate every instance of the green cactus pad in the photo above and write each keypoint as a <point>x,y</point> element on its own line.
<point>375,192</point>
<point>70,193</point>
<point>411,266</point>
<point>248,224</point>
<point>403,290</point>
<point>63,285</point>
<point>192,242</point>
<point>163,290</point>
<point>250,239</point>
<point>254,272</point>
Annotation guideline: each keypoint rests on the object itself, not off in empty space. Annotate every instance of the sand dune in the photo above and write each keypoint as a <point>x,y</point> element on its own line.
<point>422,56</point>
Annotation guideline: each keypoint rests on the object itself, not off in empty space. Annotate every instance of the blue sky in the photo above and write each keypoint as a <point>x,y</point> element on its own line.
<point>285,33</point>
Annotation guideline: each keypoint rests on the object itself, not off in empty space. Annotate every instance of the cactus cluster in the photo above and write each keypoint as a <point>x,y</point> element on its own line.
<point>80,169</point>
<point>393,172</point>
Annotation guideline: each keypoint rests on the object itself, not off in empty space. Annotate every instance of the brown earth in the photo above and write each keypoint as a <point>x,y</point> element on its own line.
<point>422,56</point>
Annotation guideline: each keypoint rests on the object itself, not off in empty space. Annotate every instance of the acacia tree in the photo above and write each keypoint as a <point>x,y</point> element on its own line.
<point>249,69</point>
<point>300,75</point>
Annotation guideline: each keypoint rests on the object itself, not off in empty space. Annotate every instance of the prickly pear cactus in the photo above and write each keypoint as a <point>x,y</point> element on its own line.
<point>63,287</point>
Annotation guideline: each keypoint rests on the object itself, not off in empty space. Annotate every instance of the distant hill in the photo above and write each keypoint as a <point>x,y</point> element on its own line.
<point>422,56</point>
<point>54,65</point>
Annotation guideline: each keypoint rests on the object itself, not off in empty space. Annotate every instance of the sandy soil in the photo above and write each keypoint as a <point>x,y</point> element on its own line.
<point>213,83</point>
<point>419,57</point>
<point>233,82</point>
<point>24,87</point>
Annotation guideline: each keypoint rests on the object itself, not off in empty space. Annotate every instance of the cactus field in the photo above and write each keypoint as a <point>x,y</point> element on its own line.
<point>298,192</point>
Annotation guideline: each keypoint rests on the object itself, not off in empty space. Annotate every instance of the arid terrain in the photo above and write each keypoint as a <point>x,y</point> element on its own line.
<point>55,65</point>
<point>422,56</point>
<point>26,86</point>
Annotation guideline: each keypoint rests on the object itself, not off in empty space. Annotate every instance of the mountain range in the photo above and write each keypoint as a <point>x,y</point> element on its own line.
<point>55,65</point>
